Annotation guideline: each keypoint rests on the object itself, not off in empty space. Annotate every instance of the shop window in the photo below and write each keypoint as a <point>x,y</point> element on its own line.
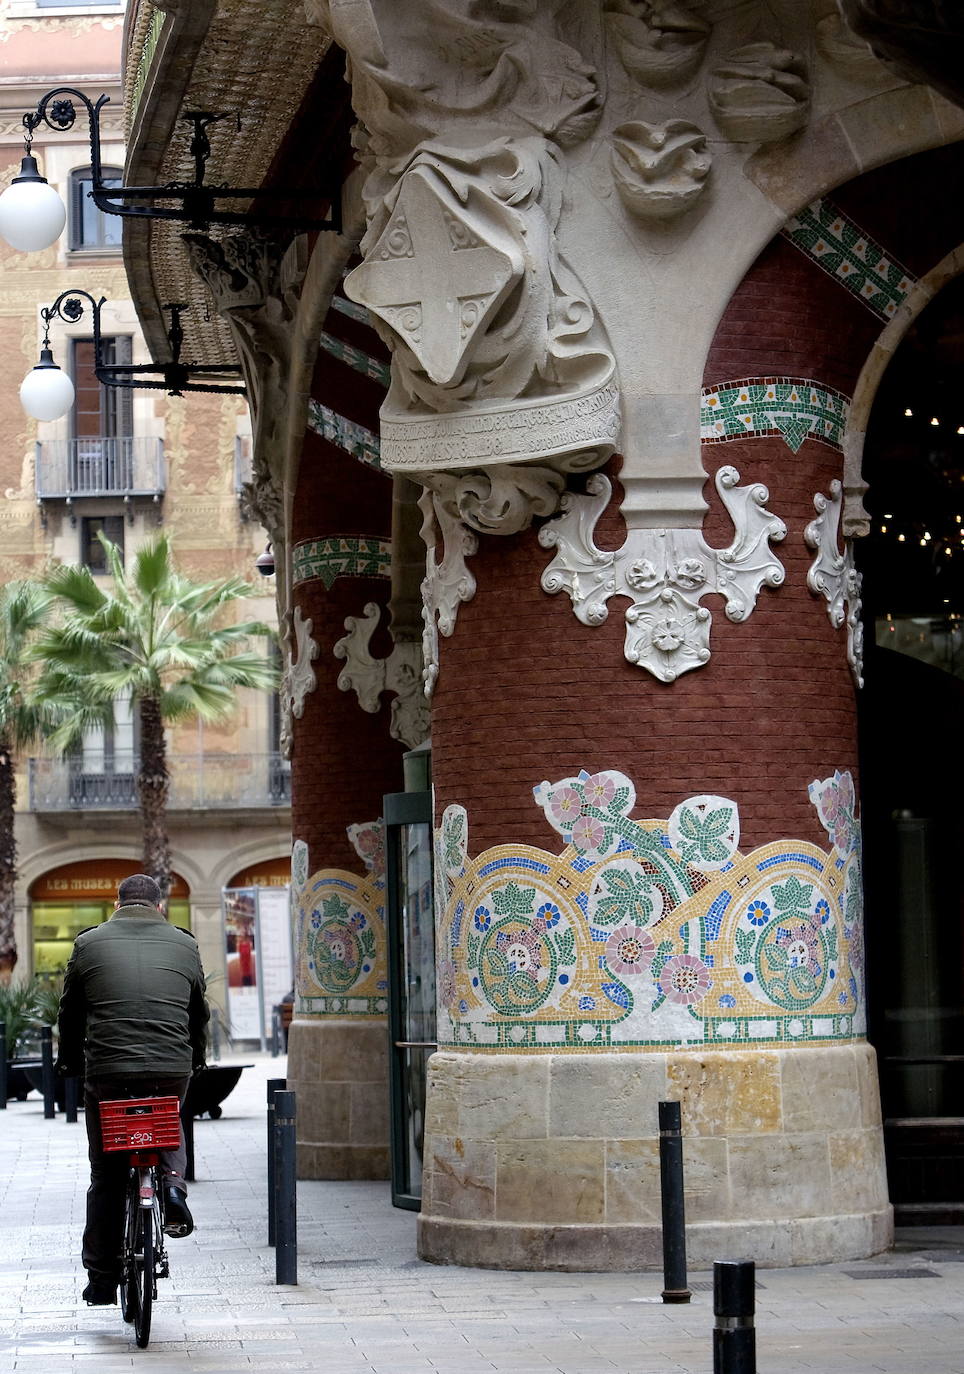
<point>93,555</point>
<point>90,229</point>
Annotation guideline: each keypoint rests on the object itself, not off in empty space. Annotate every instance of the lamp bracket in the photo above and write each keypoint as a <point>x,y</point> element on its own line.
<point>174,376</point>
<point>198,207</point>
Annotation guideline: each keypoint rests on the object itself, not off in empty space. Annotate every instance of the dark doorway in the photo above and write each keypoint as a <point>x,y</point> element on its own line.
<point>912,760</point>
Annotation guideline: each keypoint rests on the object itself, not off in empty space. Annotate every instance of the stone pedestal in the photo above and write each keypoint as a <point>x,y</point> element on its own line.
<point>339,1069</point>
<point>552,1161</point>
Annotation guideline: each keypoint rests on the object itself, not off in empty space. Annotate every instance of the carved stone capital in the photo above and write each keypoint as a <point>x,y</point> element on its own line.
<point>498,500</point>
<point>664,572</point>
<point>368,677</point>
<point>833,575</point>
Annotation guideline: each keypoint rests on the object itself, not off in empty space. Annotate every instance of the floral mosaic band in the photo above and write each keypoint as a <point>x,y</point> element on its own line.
<point>840,247</point>
<point>342,965</point>
<point>793,407</point>
<point>341,555</point>
<point>649,934</point>
<point>352,439</point>
<point>354,357</point>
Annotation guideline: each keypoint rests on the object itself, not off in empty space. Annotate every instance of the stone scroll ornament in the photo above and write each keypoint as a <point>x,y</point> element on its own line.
<point>834,576</point>
<point>298,678</point>
<point>660,42</point>
<point>369,677</point>
<point>664,573</point>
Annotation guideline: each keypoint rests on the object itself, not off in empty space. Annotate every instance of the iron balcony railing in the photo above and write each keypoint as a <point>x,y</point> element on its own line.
<point>126,466</point>
<point>199,782</point>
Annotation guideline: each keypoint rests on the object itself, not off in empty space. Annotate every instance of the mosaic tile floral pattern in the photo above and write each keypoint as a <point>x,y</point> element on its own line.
<point>351,438</point>
<point>793,407</point>
<point>341,555</point>
<point>342,966</point>
<point>354,357</point>
<point>650,933</point>
<point>840,247</point>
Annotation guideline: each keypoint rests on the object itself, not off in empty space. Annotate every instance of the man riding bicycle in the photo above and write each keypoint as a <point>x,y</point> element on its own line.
<point>132,1020</point>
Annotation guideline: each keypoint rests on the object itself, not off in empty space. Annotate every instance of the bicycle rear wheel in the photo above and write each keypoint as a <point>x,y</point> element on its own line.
<point>137,1284</point>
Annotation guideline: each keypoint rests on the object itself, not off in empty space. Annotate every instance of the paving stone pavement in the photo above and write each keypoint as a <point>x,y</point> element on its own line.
<point>365,1305</point>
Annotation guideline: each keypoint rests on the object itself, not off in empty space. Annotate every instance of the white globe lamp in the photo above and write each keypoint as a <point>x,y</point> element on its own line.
<point>32,215</point>
<point>46,393</point>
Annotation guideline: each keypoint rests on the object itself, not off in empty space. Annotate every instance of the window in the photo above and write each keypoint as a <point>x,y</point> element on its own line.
<point>90,228</point>
<point>92,552</point>
<point>102,422</point>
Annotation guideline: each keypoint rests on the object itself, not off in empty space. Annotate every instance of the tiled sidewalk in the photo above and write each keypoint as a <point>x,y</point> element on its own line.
<point>366,1305</point>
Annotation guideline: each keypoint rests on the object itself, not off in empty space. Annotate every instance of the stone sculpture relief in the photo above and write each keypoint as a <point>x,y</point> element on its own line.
<point>834,576</point>
<point>400,672</point>
<point>760,94</point>
<point>298,678</point>
<point>659,42</point>
<point>659,169</point>
<point>664,572</point>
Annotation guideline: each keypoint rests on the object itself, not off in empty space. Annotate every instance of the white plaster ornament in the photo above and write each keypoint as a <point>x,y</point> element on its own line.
<point>368,677</point>
<point>832,574</point>
<point>299,677</point>
<point>664,572</point>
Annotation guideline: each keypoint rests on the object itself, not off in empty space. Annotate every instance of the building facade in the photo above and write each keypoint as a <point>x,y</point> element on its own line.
<point>586,422</point>
<point>127,462</point>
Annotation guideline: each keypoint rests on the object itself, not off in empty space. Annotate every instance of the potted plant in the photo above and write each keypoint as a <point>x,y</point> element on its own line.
<point>19,1013</point>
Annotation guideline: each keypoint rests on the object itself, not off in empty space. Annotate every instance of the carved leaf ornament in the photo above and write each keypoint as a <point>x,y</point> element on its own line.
<point>664,573</point>
<point>833,575</point>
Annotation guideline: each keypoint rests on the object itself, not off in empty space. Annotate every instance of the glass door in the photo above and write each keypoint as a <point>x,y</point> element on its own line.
<point>410,925</point>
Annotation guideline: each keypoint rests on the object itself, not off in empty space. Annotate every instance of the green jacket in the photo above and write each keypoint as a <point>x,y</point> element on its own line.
<point>133,1000</point>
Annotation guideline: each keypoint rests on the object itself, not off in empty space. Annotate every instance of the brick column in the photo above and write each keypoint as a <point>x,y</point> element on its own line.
<point>653,890</point>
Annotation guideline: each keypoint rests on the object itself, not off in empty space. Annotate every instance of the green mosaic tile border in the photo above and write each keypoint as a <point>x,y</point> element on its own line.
<point>354,312</point>
<point>341,555</point>
<point>354,357</point>
<point>840,248</point>
<point>793,407</point>
<point>343,1006</point>
<point>352,439</point>
<point>596,1035</point>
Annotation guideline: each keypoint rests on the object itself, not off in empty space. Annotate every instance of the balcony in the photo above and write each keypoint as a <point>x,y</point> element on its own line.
<point>199,782</point>
<point>68,469</point>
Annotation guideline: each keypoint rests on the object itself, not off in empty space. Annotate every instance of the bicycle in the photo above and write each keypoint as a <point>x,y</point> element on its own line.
<point>143,1127</point>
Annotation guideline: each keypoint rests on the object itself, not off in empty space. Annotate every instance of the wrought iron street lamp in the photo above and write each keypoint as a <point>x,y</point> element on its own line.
<point>32,215</point>
<point>47,393</point>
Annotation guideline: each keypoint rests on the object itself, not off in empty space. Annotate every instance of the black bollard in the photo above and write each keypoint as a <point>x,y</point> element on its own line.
<point>286,1202</point>
<point>734,1301</point>
<point>3,1066</point>
<point>71,1092</point>
<point>187,1130</point>
<point>47,1072</point>
<point>275,1085</point>
<point>674,1218</point>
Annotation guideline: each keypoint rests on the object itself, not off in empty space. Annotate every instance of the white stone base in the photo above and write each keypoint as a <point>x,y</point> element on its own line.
<point>552,1161</point>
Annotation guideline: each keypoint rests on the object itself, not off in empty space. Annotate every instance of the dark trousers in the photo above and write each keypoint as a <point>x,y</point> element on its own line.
<point>104,1232</point>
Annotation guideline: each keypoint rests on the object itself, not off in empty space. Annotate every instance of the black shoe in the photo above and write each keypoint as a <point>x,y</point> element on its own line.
<point>100,1293</point>
<point>177,1218</point>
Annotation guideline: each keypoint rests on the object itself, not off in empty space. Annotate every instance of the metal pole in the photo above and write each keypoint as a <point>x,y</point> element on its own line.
<point>275,1085</point>
<point>3,1066</point>
<point>187,1130</point>
<point>734,1298</point>
<point>286,1204</point>
<point>47,1071</point>
<point>275,1033</point>
<point>71,1093</point>
<point>671,1188</point>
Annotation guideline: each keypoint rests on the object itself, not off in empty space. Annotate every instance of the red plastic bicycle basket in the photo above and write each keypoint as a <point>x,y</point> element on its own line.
<point>141,1123</point>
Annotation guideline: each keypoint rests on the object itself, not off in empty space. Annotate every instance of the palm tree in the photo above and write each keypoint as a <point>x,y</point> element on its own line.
<point>24,718</point>
<point>163,642</point>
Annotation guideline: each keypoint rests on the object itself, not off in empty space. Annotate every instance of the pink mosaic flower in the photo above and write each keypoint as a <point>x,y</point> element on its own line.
<point>565,805</point>
<point>588,834</point>
<point>630,949</point>
<point>685,979</point>
<point>800,945</point>
<point>341,944</point>
<point>834,799</point>
<point>522,949</point>
<point>599,790</point>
